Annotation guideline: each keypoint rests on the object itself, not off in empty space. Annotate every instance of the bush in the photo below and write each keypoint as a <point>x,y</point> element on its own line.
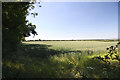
<point>112,54</point>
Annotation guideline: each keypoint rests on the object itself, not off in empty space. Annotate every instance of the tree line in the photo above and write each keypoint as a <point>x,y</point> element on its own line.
<point>74,40</point>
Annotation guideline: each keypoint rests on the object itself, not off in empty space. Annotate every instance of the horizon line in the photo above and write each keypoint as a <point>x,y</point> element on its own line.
<point>77,39</point>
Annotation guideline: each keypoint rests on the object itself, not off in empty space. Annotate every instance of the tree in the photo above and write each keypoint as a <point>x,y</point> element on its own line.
<point>15,26</point>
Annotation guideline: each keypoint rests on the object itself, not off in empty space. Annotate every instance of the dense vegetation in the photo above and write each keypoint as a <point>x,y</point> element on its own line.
<point>15,26</point>
<point>58,60</point>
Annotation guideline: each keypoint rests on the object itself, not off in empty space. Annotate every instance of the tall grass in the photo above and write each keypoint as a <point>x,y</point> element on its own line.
<point>59,59</point>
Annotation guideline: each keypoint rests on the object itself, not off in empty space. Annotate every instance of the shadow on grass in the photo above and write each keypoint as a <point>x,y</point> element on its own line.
<point>38,61</point>
<point>38,50</point>
<point>32,61</point>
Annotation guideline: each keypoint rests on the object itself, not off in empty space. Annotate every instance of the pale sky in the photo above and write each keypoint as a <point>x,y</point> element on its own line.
<point>75,20</point>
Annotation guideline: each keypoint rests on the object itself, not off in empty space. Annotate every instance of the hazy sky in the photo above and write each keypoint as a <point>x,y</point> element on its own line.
<point>76,20</point>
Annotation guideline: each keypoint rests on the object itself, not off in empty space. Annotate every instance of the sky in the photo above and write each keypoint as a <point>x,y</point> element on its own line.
<point>75,20</point>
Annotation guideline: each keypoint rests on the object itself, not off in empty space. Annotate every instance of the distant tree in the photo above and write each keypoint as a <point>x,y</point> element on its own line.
<point>15,26</point>
<point>39,39</point>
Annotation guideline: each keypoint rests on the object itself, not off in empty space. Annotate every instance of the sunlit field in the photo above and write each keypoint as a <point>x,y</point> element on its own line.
<point>61,59</point>
<point>97,47</point>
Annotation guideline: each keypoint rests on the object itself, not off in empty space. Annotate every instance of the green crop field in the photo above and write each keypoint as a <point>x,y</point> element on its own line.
<point>97,47</point>
<point>61,59</point>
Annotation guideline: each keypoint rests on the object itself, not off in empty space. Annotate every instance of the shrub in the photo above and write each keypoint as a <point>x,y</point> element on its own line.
<point>112,54</point>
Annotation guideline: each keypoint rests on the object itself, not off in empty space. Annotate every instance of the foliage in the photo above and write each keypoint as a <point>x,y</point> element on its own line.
<point>15,26</point>
<point>112,54</point>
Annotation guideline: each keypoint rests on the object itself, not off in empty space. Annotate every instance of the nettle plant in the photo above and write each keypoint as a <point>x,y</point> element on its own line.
<point>112,54</point>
